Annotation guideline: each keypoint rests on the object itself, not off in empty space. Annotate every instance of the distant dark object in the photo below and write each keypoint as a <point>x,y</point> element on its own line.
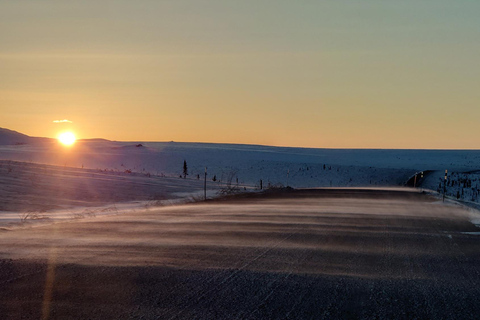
<point>128,171</point>
<point>214,178</point>
<point>185,169</point>
<point>129,147</point>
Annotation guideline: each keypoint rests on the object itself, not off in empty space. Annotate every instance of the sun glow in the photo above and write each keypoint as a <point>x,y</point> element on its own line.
<point>67,138</point>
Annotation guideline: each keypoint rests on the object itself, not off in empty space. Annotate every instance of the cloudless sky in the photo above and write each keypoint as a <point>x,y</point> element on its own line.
<point>335,74</point>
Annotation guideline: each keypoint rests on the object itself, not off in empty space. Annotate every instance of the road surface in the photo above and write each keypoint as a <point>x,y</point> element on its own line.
<point>312,254</point>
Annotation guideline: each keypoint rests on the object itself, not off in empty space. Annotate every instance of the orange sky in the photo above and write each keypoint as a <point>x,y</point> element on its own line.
<point>373,74</point>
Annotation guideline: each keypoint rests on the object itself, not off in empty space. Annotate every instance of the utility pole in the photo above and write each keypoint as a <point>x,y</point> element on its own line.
<point>445,185</point>
<point>415,181</point>
<point>288,174</point>
<point>205,185</point>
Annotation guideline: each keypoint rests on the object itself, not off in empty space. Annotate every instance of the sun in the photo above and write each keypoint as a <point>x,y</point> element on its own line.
<point>67,138</point>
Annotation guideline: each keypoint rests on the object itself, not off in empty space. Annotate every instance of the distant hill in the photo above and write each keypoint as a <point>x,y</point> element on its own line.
<point>10,137</point>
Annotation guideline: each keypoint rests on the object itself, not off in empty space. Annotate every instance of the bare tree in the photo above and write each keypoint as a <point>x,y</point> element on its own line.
<point>229,187</point>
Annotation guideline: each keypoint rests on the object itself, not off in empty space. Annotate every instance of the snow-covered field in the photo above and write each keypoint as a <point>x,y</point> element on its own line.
<point>297,167</point>
<point>158,166</point>
<point>38,193</point>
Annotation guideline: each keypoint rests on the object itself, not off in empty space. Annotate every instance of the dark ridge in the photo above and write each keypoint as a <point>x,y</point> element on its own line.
<point>10,137</point>
<point>288,192</point>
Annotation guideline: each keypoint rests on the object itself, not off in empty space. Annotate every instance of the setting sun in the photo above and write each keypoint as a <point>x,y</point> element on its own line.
<point>66,138</point>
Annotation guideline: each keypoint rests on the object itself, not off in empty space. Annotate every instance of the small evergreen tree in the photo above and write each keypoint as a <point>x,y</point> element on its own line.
<point>185,169</point>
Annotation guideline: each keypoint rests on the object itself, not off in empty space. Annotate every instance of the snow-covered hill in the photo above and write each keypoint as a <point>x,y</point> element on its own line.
<point>10,137</point>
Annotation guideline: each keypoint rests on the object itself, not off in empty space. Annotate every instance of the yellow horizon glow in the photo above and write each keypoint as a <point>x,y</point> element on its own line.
<point>365,74</point>
<point>67,138</point>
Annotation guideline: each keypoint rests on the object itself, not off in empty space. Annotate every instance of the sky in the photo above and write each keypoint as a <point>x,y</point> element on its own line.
<point>305,73</point>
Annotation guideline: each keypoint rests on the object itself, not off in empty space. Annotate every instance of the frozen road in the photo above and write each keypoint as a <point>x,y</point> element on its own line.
<point>318,254</point>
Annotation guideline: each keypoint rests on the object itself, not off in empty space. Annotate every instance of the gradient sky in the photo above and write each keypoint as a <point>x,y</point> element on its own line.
<point>335,74</point>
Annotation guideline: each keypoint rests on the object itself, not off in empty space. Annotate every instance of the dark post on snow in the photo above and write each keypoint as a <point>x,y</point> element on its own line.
<point>205,185</point>
<point>445,185</point>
